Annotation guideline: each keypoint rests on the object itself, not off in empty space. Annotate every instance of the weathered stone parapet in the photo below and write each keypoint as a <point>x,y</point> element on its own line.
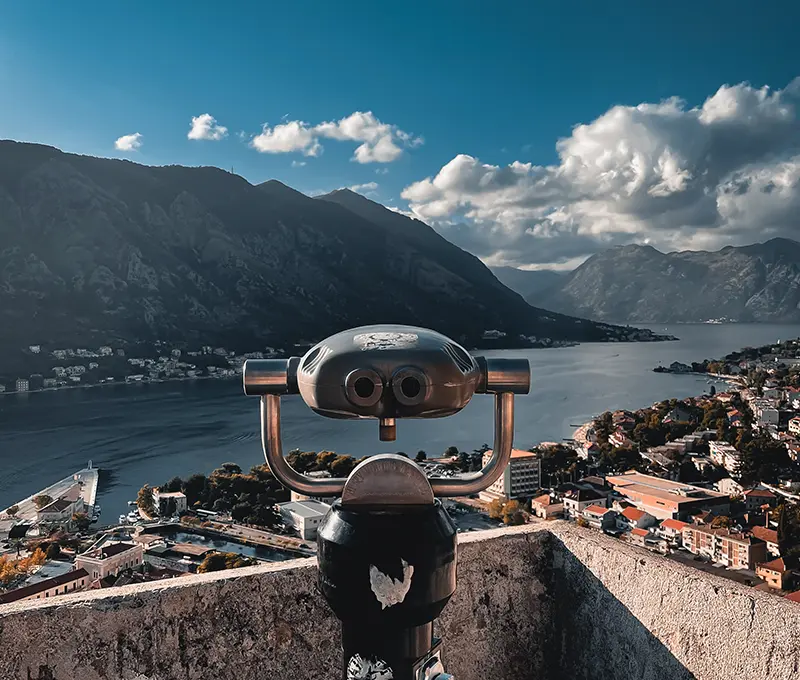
<point>546,601</point>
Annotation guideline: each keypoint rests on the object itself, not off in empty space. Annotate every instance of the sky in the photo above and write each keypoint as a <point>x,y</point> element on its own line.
<point>531,134</point>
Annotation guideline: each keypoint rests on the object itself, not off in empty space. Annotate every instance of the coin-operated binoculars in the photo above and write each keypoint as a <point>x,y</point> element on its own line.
<point>387,547</point>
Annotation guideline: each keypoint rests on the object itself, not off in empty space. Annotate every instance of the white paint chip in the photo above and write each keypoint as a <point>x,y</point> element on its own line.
<point>390,591</point>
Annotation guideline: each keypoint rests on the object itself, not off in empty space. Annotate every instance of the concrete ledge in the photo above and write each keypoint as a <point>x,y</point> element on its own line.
<point>547,601</point>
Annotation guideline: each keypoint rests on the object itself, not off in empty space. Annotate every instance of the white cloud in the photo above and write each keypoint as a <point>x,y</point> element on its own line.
<point>381,171</point>
<point>205,126</point>
<point>298,164</point>
<point>367,189</point>
<point>287,137</point>
<point>129,142</point>
<point>677,177</point>
<point>378,142</point>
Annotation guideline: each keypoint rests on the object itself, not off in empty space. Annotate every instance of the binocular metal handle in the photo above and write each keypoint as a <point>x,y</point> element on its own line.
<point>271,378</point>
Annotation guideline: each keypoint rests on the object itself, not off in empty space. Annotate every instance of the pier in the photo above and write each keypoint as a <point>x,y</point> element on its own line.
<point>88,477</point>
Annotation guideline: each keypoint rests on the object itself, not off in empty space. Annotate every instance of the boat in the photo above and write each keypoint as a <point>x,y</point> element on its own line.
<point>131,502</point>
<point>123,519</point>
<point>133,516</point>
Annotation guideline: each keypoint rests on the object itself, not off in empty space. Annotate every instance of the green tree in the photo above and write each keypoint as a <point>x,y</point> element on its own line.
<point>342,466</point>
<point>174,484</point>
<point>241,511</point>
<point>81,521</point>
<point>53,551</point>
<point>495,509</point>
<point>231,468</point>
<point>512,514</point>
<point>13,510</point>
<point>421,457</point>
<point>324,460</point>
<point>42,500</point>
<point>195,488</point>
<point>218,561</point>
<point>721,522</point>
<point>144,500</point>
<point>451,451</point>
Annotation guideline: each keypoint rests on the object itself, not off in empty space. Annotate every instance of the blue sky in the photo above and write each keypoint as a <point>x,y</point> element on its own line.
<point>499,85</point>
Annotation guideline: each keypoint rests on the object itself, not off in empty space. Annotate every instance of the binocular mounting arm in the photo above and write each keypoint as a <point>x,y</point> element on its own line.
<point>270,378</point>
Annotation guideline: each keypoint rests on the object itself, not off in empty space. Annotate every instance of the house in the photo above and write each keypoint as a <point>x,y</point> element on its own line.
<point>735,418</point>
<point>770,537</point>
<point>664,498</point>
<point>62,509</point>
<point>679,414</point>
<point>776,574</point>
<point>729,486</point>
<point>794,425</point>
<point>768,415</point>
<point>619,438</point>
<point>546,506</point>
<point>599,517</point>
<point>670,530</point>
<point>633,518</point>
<point>588,450</point>
<point>58,585</point>
<point>520,479</point>
<point>110,559</point>
<point>169,503</point>
<point>304,516</point>
<point>755,498</point>
<point>793,399</point>
<point>773,393</point>
<point>577,500</point>
<point>638,536</point>
<point>735,550</point>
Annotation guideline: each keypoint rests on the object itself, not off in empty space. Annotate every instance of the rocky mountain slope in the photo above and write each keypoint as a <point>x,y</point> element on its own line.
<point>99,250</point>
<point>639,284</point>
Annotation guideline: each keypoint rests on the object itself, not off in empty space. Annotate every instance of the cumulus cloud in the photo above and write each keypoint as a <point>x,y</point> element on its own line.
<point>205,126</point>
<point>129,142</point>
<point>298,164</point>
<point>378,142</point>
<point>663,173</point>
<point>367,189</point>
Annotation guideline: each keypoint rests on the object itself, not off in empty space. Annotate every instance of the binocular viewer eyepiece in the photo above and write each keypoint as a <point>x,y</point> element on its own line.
<point>386,372</point>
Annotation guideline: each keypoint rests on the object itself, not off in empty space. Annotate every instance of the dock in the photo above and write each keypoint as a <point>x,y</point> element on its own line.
<point>88,477</point>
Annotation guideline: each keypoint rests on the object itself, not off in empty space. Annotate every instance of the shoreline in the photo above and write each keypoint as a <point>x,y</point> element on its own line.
<point>121,383</point>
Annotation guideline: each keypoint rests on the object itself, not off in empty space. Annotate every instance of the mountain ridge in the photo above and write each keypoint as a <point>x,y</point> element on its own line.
<point>101,250</point>
<point>759,282</point>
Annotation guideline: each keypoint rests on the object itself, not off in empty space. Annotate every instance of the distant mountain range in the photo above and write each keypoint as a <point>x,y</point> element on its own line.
<point>528,283</point>
<point>99,251</point>
<point>639,284</point>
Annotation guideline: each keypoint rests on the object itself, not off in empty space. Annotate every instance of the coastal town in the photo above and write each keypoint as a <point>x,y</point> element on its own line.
<point>712,481</point>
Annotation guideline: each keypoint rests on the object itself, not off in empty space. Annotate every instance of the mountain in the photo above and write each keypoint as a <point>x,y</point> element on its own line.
<point>527,283</point>
<point>639,284</point>
<point>97,251</point>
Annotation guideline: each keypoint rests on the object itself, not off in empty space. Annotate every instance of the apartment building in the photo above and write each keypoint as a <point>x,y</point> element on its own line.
<point>520,479</point>
<point>110,559</point>
<point>734,550</point>
<point>725,455</point>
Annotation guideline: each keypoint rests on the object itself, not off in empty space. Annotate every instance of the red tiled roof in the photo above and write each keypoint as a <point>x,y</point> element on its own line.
<point>759,493</point>
<point>633,514</point>
<point>639,532</point>
<point>777,564</point>
<point>674,524</point>
<point>41,586</point>
<point>768,535</point>
<point>545,500</point>
<point>794,597</point>
<point>596,510</point>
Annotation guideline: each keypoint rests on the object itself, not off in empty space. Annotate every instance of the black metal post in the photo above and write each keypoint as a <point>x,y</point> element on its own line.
<point>387,572</point>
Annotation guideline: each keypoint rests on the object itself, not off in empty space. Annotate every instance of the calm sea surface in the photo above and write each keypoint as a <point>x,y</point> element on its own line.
<point>149,433</point>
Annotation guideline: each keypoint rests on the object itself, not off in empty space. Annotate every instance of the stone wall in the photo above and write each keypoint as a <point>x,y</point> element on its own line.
<point>544,601</point>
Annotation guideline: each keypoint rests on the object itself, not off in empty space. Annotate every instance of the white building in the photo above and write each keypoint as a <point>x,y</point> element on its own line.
<point>110,559</point>
<point>305,516</point>
<point>104,351</point>
<point>35,349</point>
<point>729,486</point>
<point>576,501</point>
<point>768,415</point>
<point>633,518</point>
<point>62,509</point>
<point>725,455</point>
<point>546,506</point>
<point>162,501</point>
<point>794,425</point>
<point>22,385</point>
<point>50,587</point>
<point>520,479</point>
